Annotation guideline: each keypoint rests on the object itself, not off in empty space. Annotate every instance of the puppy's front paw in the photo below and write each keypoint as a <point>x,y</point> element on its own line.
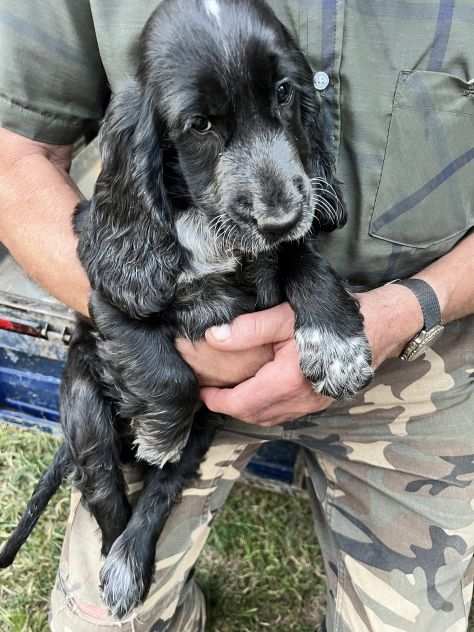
<point>336,366</point>
<point>125,578</point>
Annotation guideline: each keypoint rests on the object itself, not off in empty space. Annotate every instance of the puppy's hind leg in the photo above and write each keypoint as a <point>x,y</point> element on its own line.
<point>151,383</point>
<point>88,424</point>
<point>128,570</point>
<point>44,490</point>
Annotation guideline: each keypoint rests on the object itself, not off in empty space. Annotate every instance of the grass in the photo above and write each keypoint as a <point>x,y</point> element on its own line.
<point>24,589</point>
<point>261,568</point>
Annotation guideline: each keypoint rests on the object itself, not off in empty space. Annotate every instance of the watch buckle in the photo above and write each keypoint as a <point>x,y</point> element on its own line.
<point>421,342</point>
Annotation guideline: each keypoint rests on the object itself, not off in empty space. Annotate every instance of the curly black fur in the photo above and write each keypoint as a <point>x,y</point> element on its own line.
<point>214,187</point>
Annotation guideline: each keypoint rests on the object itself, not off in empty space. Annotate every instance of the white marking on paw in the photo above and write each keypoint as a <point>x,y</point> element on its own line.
<point>336,366</point>
<point>121,580</point>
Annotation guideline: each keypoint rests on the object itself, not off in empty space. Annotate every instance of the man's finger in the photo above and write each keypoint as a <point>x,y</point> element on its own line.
<point>250,398</point>
<point>252,330</point>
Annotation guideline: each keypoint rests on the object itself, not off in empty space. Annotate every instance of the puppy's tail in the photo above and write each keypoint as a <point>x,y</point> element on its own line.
<point>47,486</point>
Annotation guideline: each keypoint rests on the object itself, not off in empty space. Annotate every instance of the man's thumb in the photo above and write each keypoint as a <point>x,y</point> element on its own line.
<point>253,330</point>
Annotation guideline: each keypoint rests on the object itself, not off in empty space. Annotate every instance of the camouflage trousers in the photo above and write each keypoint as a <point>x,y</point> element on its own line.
<point>391,483</point>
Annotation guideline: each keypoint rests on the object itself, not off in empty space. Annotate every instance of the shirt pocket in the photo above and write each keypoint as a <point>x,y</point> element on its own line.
<point>426,190</point>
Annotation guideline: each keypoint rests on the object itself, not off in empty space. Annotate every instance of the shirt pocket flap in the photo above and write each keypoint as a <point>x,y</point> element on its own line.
<point>426,190</point>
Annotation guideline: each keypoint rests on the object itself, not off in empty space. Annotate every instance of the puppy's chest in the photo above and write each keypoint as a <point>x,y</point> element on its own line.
<point>215,285</point>
<point>219,297</point>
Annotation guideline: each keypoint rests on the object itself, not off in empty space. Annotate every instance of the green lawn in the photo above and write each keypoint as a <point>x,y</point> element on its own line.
<point>261,568</point>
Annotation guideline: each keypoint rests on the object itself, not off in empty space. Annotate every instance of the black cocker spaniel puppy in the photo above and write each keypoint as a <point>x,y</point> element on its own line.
<point>215,186</point>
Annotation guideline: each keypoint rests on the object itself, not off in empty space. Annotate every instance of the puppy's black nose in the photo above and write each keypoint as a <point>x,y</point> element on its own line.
<point>279,224</point>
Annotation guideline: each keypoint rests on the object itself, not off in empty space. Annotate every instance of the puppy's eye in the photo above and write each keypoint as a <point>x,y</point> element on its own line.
<point>201,124</point>
<point>284,92</point>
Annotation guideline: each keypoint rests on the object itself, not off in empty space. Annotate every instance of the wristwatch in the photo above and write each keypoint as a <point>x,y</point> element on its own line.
<point>432,327</point>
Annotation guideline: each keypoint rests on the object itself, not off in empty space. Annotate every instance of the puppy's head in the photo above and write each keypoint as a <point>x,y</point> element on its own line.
<point>222,117</point>
<point>235,98</point>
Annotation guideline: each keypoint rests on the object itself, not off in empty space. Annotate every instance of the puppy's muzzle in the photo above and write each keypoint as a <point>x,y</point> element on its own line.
<point>278,207</point>
<point>270,192</point>
<point>280,223</point>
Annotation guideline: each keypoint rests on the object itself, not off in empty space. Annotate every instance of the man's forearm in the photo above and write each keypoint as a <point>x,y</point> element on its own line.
<point>37,199</point>
<point>393,315</point>
<point>452,278</point>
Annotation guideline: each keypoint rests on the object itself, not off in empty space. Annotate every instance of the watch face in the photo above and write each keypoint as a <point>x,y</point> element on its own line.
<point>419,344</point>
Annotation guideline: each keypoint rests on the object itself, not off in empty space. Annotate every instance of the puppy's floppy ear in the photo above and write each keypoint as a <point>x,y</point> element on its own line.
<point>126,238</point>
<point>330,207</point>
<point>330,210</point>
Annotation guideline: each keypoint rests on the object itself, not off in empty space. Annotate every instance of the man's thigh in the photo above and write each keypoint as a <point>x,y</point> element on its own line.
<point>392,484</point>
<point>76,604</point>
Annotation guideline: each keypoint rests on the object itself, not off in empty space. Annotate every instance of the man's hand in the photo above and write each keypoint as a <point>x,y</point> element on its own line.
<point>276,390</point>
<point>216,367</point>
<point>274,393</point>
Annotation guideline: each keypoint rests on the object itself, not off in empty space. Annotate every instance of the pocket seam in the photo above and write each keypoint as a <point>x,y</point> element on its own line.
<point>424,246</point>
<point>379,184</point>
<point>397,106</point>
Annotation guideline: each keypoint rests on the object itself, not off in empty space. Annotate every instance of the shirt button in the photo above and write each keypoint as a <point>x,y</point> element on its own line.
<point>320,80</point>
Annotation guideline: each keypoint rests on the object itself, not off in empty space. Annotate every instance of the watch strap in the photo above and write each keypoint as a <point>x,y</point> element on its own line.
<point>427,299</point>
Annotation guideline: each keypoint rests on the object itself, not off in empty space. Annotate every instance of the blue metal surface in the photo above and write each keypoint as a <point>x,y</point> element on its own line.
<point>29,385</point>
<point>30,375</point>
<point>275,460</point>
<point>27,421</point>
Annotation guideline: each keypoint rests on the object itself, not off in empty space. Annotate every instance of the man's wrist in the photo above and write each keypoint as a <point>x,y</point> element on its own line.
<point>392,317</point>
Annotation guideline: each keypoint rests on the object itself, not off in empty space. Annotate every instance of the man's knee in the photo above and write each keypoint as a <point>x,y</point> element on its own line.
<point>67,614</point>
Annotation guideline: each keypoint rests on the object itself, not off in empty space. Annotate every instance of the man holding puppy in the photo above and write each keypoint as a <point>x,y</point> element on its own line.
<point>390,473</point>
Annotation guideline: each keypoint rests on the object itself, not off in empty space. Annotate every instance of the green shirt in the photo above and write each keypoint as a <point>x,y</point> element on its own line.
<point>398,108</point>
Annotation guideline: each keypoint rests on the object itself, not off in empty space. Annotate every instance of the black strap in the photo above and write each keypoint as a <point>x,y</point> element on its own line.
<point>428,301</point>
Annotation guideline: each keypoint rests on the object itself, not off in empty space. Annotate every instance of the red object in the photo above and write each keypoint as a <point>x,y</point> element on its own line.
<point>19,327</point>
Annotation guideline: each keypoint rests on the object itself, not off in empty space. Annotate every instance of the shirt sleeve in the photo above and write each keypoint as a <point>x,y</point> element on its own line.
<point>52,82</point>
